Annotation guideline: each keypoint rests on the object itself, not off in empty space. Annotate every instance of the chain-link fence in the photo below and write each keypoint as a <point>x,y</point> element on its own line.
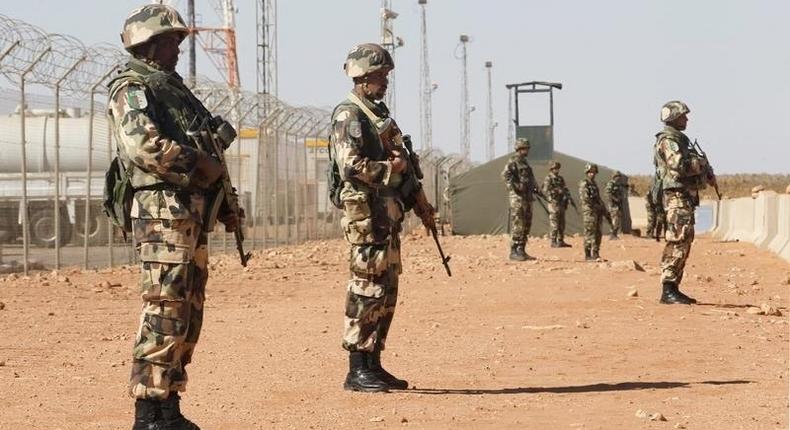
<point>56,147</point>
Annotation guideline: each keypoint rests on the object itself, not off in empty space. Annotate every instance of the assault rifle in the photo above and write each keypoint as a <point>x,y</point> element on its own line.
<point>709,169</point>
<point>566,195</point>
<point>214,135</point>
<point>421,202</point>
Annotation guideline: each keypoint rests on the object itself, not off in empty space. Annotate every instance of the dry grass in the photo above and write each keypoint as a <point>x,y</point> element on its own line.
<point>731,186</point>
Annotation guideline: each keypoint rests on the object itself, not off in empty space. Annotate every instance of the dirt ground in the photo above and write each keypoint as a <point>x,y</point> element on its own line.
<point>551,344</point>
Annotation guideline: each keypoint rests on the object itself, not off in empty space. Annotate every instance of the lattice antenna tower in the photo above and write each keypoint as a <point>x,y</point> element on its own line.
<point>266,67</point>
<point>466,108</point>
<point>426,86</point>
<point>219,43</point>
<point>390,42</point>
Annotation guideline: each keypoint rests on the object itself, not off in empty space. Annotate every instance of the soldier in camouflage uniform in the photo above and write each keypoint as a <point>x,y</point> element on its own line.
<point>656,219</point>
<point>373,166</point>
<point>558,197</point>
<point>520,182</point>
<point>615,193</point>
<point>593,210</point>
<point>149,108</point>
<point>684,173</point>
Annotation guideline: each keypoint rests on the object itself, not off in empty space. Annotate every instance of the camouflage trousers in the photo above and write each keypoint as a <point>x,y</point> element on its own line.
<point>679,235</point>
<point>616,212</point>
<point>520,218</point>
<point>174,258</point>
<point>557,222</point>
<point>375,265</point>
<point>592,220</point>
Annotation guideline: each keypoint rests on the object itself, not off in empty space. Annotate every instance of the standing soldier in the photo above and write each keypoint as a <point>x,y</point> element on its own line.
<point>150,110</point>
<point>377,185</point>
<point>615,193</point>
<point>593,212</point>
<point>521,184</point>
<point>558,196</point>
<point>684,173</point>
<point>656,219</point>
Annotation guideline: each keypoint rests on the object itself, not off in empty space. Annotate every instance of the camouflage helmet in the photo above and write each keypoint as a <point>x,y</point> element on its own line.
<point>672,110</point>
<point>151,20</point>
<point>367,58</point>
<point>616,174</point>
<point>590,167</point>
<point>554,165</point>
<point>522,143</point>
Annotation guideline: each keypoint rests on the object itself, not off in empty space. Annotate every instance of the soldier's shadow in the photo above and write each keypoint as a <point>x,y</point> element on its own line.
<point>592,388</point>
<point>731,306</point>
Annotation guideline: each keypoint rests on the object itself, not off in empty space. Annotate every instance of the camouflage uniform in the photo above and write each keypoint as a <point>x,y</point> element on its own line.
<point>148,111</point>
<point>656,218</point>
<point>558,197</point>
<point>372,217</point>
<point>592,214</point>
<point>684,175</point>
<point>520,182</point>
<point>615,192</point>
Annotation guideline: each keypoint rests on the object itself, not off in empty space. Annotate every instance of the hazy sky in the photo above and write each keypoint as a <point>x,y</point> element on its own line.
<point>619,61</point>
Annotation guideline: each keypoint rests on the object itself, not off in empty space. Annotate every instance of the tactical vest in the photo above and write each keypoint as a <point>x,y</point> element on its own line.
<point>674,179</point>
<point>522,176</point>
<point>170,104</point>
<point>555,187</point>
<point>592,199</point>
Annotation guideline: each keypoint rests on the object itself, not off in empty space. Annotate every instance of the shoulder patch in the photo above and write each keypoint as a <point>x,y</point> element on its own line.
<point>355,129</point>
<point>135,97</point>
<point>673,145</point>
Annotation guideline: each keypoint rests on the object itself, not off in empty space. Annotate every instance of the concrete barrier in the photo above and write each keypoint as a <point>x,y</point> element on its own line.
<point>764,221</point>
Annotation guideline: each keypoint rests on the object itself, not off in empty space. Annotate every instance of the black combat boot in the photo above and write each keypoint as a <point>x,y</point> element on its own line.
<point>595,255</point>
<point>147,415</point>
<point>171,415</point>
<point>588,256</point>
<point>564,244</point>
<point>517,252</point>
<point>360,377</point>
<point>374,364</point>
<point>555,243</point>
<point>670,295</point>
<point>523,250</point>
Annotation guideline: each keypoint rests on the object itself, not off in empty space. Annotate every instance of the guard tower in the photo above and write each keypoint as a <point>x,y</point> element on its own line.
<point>541,137</point>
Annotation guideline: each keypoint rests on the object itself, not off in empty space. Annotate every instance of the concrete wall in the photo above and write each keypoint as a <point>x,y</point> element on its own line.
<point>764,221</point>
<point>705,215</point>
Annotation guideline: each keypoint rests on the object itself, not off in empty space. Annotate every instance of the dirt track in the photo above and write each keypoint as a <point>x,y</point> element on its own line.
<point>552,344</point>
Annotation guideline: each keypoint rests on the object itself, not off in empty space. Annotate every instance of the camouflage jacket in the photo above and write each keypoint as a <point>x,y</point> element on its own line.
<point>615,191</point>
<point>149,113</point>
<point>362,160</point>
<point>555,190</point>
<point>590,197</point>
<point>678,166</point>
<point>519,178</point>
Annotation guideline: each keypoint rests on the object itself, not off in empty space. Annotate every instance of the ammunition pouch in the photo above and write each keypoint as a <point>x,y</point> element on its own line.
<point>118,195</point>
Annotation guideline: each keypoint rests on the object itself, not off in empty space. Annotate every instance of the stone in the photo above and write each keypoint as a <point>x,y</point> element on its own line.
<point>2,306</point>
<point>641,414</point>
<point>754,310</point>
<point>627,265</point>
<point>633,293</point>
<point>657,417</point>
<point>376,419</point>
<point>770,310</point>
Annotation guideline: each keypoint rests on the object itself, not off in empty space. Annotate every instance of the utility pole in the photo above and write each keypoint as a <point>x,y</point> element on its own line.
<point>390,42</point>
<point>466,109</point>
<point>490,124</point>
<point>426,87</point>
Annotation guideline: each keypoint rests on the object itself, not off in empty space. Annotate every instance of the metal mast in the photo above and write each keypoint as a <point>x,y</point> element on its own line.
<point>490,124</point>
<point>220,43</point>
<point>466,109</point>
<point>266,34</point>
<point>390,42</point>
<point>426,87</point>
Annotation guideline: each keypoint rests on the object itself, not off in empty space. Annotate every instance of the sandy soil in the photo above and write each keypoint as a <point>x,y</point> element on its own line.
<point>551,344</point>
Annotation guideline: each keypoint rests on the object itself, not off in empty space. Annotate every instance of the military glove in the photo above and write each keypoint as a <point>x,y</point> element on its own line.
<point>232,220</point>
<point>208,168</point>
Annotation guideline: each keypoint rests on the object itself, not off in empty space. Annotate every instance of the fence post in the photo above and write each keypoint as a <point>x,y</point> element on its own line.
<point>23,143</point>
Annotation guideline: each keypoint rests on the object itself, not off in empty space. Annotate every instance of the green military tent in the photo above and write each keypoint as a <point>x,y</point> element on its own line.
<point>479,199</point>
